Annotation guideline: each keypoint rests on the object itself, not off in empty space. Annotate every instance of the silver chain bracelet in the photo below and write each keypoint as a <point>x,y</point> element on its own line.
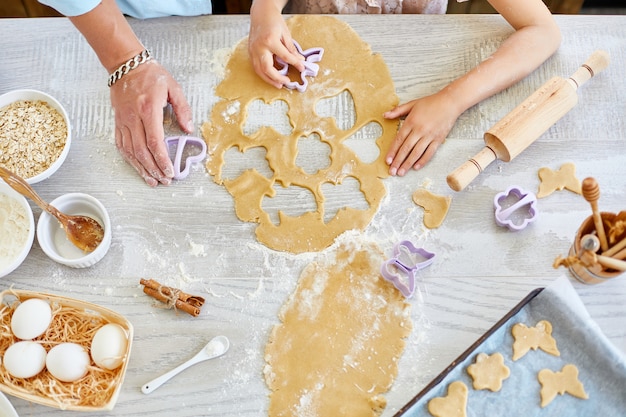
<point>131,64</point>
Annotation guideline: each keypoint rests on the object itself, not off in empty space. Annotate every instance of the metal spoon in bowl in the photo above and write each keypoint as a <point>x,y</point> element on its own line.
<point>83,231</point>
<point>215,348</point>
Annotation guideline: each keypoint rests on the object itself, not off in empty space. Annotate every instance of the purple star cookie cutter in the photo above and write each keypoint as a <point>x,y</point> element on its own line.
<point>401,269</point>
<point>518,214</point>
<point>311,56</point>
<point>184,158</point>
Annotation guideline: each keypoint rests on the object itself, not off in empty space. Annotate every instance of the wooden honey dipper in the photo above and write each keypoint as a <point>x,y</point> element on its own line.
<point>591,192</point>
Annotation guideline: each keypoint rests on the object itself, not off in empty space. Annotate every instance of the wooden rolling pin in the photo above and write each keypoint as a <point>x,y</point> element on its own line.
<point>529,120</point>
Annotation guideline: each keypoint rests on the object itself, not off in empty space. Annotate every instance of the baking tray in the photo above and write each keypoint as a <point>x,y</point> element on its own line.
<point>602,366</point>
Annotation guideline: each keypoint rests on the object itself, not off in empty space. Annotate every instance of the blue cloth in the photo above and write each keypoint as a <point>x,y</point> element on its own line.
<point>141,9</point>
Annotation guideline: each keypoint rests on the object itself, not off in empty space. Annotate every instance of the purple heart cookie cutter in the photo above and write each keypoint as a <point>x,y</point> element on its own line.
<point>400,270</point>
<point>311,56</point>
<point>181,143</point>
<point>510,216</point>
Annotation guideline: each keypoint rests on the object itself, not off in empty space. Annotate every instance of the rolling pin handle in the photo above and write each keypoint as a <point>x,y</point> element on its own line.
<point>463,175</point>
<point>595,64</point>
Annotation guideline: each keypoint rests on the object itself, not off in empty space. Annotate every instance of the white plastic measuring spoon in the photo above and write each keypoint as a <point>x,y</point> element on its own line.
<point>215,348</point>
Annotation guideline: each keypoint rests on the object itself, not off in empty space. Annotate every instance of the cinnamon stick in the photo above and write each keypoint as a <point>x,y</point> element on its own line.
<point>173,297</point>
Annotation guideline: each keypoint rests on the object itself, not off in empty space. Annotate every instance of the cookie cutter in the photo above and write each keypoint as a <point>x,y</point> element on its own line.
<point>184,160</point>
<point>311,56</point>
<point>505,216</point>
<point>402,268</point>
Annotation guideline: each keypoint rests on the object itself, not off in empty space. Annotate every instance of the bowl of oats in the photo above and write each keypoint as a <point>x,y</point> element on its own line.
<point>17,229</point>
<point>35,134</point>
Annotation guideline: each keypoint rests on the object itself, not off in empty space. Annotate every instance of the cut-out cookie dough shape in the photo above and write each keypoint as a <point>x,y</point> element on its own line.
<point>454,404</point>
<point>564,177</point>
<point>565,381</point>
<point>538,337</point>
<point>372,92</point>
<point>488,371</point>
<point>435,207</point>
<point>336,349</point>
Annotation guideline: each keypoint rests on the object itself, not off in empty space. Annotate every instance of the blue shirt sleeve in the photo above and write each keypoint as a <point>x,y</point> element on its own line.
<point>141,9</point>
<point>71,7</point>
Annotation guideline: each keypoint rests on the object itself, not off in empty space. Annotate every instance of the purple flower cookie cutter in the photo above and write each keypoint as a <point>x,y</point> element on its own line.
<point>517,215</point>
<point>401,269</point>
<point>184,158</point>
<point>311,56</point>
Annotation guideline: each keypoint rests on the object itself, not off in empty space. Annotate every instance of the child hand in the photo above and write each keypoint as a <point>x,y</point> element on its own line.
<point>428,121</point>
<point>270,37</point>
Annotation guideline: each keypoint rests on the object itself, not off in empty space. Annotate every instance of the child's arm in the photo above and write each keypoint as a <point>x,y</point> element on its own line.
<point>430,119</point>
<point>270,37</point>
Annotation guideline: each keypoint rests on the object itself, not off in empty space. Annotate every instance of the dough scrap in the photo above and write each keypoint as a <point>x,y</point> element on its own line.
<point>564,177</point>
<point>454,404</point>
<point>565,381</point>
<point>488,371</point>
<point>435,207</point>
<point>336,348</point>
<point>372,91</point>
<point>538,337</point>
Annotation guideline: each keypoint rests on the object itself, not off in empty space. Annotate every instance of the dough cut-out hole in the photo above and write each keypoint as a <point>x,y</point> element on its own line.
<point>313,154</point>
<point>274,115</point>
<point>363,142</point>
<point>339,107</point>
<point>236,162</point>
<point>346,194</point>
<point>293,201</point>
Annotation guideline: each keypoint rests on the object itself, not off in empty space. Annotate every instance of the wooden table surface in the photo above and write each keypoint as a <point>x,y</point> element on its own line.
<point>186,235</point>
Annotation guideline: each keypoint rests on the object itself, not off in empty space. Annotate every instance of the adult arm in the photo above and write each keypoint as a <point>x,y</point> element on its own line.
<point>139,97</point>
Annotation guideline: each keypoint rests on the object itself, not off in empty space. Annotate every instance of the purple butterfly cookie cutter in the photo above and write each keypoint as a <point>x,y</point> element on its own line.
<point>517,215</point>
<point>184,158</point>
<point>311,56</point>
<point>401,269</point>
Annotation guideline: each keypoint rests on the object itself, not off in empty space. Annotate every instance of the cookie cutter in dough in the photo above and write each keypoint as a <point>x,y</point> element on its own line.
<point>511,215</point>
<point>182,161</point>
<point>311,56</point>
<point>401,269</point>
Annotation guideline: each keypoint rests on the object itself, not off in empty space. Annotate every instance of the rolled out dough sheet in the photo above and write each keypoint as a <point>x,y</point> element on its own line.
<point>336,349</point>
<point>348,65</point>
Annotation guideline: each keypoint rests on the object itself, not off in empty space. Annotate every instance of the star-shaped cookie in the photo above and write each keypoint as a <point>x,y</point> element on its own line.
<point>488,371</point>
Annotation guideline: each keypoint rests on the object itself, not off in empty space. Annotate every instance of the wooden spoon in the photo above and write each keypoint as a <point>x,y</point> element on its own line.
<point>83,231</point>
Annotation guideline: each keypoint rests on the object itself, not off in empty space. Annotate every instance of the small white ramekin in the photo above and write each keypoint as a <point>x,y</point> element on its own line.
<point>8,266</point>
<point>52,237</point>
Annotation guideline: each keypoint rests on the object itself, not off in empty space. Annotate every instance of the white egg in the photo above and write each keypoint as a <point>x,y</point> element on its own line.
<point>24,359</point>
<point>31,319</point>
<point>68,362</point>
<point>108,347</point>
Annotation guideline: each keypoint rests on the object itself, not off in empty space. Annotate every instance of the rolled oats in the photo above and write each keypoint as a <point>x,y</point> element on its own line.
<point>32,137</point>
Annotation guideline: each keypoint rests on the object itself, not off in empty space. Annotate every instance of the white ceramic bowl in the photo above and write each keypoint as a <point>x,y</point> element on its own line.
<point>33,95</point>
<point>52,237</point>
<point>17,254</point>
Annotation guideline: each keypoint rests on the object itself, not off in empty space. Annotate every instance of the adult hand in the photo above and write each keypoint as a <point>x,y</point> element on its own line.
<point>139,98</point>
<point>428,121</point>
<point>269,37</point>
